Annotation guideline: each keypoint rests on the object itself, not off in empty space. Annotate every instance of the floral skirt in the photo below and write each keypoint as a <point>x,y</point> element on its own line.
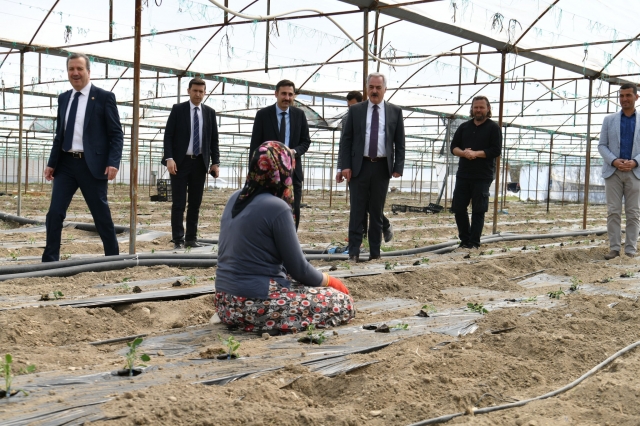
<point>287,309</point>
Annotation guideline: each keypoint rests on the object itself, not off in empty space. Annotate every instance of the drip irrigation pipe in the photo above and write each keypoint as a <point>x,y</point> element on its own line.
<point>78,225</point>
<point>113,266</point>
<point>207,260</point>
<point>594,370</point>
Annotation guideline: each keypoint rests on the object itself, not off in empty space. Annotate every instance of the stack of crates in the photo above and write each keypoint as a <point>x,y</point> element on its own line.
<point>164,189</point>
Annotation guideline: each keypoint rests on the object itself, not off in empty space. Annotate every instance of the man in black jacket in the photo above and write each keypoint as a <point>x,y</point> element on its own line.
<point>478,143</point>
<point>285,123</point>
<point>190,145</point>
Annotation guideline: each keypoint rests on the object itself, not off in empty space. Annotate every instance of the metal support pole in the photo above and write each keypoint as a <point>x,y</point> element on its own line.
<point>26,164</point>
<point>421,173</point>
<point>365,58</point>
<point>549,178</point>
<point>564,179</point>
<point>110,20</point>
<point>500,117</point>
<point>266,49</point>
<point>20,127</point>
<point>135,130</point>
<point>179,87</point>
<point>587,159</point>
<point>333,160</point>
<point>504,170</point>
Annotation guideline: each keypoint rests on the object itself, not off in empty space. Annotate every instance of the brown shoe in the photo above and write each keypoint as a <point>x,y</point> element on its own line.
<point>612,254</point>
<point>631,255</point>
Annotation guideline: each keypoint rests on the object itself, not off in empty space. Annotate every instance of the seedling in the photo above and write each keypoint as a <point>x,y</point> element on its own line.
<point>57,294</point>
<point>429,308</point>
<point>345,265</point>
<point>65,256</point>
<point>401,326</point>
<point>153,251</point>
<point>5,370</point>
<point>126,279</point>
<point>32,240</point>
<point>390,266</point>
<point>133,355</point>
<point>555,294</point>
<point>627,274</point>
<point>574,284</point>
<point>232,346</point>
<point>191,280</point>
<point>531,299</point>
<point>14,254</point>
<point>478,308</point>
<point>125,288</point>
<point>187,249</point>
<point>606,280</point>
<point>312,337</point>
<point>424,260</point>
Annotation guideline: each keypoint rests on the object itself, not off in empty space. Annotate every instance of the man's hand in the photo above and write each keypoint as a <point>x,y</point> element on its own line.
<point>214,170</point>
<point>339,177</point>
<point>624,165</point>
<point>469,154</point>
<point>111,172</point>
<point>48,173</point>
<point>396,175</point>
<point>171,166</point>
<point>346,173</point>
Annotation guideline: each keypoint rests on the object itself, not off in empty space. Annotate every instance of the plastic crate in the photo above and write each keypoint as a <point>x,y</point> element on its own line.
<point>163,184</point>
<point>164,190</point>
<point>401,208</point>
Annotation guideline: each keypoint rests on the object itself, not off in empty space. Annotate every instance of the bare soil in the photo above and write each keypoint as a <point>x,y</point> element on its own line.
<point>542,346</point>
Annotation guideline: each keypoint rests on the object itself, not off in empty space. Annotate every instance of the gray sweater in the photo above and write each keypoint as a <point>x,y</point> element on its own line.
<point>260,244</point>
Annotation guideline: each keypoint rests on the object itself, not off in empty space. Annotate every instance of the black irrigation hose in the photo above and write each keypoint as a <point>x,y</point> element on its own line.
<point>205,260</point>
<point>594,370</point>
<point>112,266</point>
<point>78,225</point>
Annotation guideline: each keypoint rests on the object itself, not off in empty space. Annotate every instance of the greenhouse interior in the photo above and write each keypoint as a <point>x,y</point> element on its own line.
<point>535,326</point>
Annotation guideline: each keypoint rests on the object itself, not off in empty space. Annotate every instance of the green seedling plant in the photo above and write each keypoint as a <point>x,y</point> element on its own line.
<point>32,240</point>
<point>5,370</point>
<point>627,274</point>
<point>191,280</point>
<point>14,254</point>
<point>531,299</point>
<point>478,308</point>
<point>65,256</point>
<point>555,294</point>
<point>429,308</point>
<point>575,284</point>
<point>232,346</point>
<point>424,260</point>
<point>125,288</point>
<point>187,250</point>
<point>57,294</point>
<point>313,337</point>
<point>126,279</point>
<point>401,326</point>
<point>133,355</point>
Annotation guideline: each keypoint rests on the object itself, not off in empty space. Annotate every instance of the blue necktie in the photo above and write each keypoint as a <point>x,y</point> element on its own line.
<point>373,137</point>
<point>196,133</point>
<point>71,122</point>
<point>282,137</point>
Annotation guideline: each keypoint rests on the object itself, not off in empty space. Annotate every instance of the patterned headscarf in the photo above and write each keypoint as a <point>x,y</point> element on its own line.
<point>270,170</point>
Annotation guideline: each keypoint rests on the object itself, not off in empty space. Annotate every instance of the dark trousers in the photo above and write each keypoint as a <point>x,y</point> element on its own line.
<point>477,192</point>
<point>297,196</point>
<point>368,190</point>
<point>187,183</point>
<point>71,174</point>
<point>365,223</point>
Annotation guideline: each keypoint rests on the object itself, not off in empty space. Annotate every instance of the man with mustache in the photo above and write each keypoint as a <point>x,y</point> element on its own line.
<point>371,152</point>
<point>478,143</point>
<point>619,146</point>
<point>287,124</point>
<point>353,98</point>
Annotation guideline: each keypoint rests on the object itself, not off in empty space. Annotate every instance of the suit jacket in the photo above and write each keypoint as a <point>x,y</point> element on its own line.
<point>352,141</point>
<point>102,136</point>
<point>178,132</point>
<point>265,128</point>
<point>609,145</point>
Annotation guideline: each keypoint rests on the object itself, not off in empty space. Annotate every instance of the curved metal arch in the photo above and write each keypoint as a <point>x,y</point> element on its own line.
<point>619,52</point>
<point>544,94</point>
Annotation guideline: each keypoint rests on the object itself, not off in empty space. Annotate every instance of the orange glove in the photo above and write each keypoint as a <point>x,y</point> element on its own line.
<point>337,284</point>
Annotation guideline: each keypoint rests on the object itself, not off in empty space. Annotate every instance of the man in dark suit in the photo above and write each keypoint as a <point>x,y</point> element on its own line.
<point>86,152</point>
<point>190,145</point>
<point>285,123</point>
<point>353,98</point>
<point>371,152</point>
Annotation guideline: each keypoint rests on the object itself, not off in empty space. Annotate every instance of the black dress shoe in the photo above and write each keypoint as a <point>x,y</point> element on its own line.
<point>193,244</point>
<point>178,245</point>
<point>374,257</point>
<point>354,258</point>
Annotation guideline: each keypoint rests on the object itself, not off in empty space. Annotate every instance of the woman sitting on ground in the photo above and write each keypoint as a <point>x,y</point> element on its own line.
<point>259,250</point>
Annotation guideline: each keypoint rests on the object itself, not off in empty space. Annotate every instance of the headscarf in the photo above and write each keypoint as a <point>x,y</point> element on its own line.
<point>270,170</point>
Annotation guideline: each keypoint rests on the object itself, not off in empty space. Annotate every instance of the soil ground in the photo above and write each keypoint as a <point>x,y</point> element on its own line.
<point>517,352</point>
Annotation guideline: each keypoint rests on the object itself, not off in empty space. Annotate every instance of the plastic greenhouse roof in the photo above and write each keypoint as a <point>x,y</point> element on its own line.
<point>554,49</point>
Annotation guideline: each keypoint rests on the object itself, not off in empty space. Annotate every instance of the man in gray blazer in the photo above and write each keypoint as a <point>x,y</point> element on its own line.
<point>620,148</point>
<point>371,152</point>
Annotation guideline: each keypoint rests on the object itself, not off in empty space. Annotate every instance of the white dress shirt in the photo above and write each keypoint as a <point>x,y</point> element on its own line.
<point>192,109</point>
<point>382,150</point>
<point>76,143</point>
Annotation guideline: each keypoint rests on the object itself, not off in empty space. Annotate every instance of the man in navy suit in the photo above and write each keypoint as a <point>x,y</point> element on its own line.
<point>285,123</point>
<point>619,147</point>
<point>86,152</point>
<point>190,145</point>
